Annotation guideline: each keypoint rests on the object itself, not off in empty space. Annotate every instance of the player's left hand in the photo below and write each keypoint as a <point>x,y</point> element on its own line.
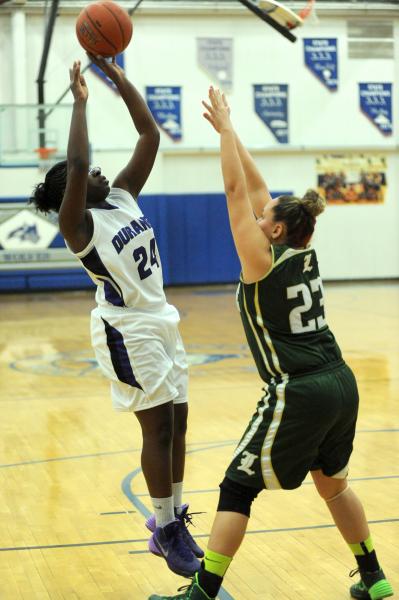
<point>218,113</point>
<point>110,68</point>
<point>78,83</point>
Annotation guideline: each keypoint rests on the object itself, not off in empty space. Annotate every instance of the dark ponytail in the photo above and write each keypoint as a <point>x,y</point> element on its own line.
<point>47,196</point>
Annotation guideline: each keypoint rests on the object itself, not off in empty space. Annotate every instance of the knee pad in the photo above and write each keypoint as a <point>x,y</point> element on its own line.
<point>235,497</point>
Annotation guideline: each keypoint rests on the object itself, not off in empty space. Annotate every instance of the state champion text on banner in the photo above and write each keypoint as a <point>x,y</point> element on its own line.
<point>215,56</point>
<point>376,104</point>
<point>321,57</point>
<point>164,103</point>
<point>271,105</point>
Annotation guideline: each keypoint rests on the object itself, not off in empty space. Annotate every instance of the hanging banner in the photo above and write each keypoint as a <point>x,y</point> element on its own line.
<point>376,104</point>
<point>352,178</point>
<point>271,105</point>
<point>120,61</point>
<point>215,56</point>
<point>321,57</point>
<point>165,106</point>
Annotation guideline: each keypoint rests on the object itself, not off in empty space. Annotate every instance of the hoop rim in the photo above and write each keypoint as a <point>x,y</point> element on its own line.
<point>307,10</point>
<point>45,152</point>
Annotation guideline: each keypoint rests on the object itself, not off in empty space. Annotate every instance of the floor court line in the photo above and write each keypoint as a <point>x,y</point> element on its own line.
<point>200,535</point>
<point>350,479</point>
<point>223,594</point>
<point>215,444</point>
<point>39,461</point>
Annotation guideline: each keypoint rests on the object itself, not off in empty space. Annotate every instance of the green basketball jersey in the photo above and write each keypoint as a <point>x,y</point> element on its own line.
<point>283,317</point>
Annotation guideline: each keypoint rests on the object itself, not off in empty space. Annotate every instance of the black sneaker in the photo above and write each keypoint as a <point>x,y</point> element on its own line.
<point>190,592</point>
<point>372,586</point>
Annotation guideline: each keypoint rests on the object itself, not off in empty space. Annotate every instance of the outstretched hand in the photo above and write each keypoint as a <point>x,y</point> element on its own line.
<point>110,68</point>
<point>218,112</point>
<point>78,85</point>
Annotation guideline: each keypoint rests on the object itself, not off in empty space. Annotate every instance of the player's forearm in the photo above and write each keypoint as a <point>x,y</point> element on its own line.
<point>72,209</point>
<point>252,174</point>
<point>137,107</point>
<point>78,142</point>
<point>238,204</point>
<point>258,191</point>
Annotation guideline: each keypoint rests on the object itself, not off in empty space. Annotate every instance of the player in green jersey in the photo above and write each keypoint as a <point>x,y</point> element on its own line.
<point>306,420</point>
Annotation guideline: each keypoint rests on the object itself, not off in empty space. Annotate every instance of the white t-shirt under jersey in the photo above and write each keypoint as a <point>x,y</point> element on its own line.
<point>122,257</point>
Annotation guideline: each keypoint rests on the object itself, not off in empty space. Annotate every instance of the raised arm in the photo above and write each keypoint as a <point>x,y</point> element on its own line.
<point>133,177</point>
<point>258,191</point>
<point>252,246</point>
<point>74,220</point>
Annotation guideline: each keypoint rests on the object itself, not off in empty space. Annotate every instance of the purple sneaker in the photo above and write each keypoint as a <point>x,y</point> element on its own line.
<point>168,542</point>
<point>185,519</point>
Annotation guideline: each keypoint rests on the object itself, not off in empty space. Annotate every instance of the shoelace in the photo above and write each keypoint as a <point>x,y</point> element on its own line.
<point>361,583</point>
<point>185,588</point>
<point>188,518</point>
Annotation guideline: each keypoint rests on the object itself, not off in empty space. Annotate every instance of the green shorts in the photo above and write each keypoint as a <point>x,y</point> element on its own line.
<point>301,424</point>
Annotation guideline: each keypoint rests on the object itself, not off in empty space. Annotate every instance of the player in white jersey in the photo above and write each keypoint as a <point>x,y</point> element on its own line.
<point>134,330</point>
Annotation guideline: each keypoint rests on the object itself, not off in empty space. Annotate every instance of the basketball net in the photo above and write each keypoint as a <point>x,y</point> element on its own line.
<point>46,158</point>
<point>308,12</point>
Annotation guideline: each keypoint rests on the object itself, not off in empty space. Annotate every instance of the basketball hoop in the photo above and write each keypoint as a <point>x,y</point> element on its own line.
<point>46,158</point>
<point>279,16</point>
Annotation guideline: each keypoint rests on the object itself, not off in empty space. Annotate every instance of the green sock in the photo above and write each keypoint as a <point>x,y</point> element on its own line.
<point>365,555</point>
<point>216,563</point>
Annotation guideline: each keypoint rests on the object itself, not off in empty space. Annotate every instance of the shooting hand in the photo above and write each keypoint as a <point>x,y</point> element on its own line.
<point>78,84</point>
<point>110,68</point>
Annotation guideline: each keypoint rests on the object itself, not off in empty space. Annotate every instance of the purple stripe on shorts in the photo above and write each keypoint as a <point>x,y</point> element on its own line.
<point>119,356</point>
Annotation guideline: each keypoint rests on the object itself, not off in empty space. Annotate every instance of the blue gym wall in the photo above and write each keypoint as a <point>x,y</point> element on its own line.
<point>193,237</point>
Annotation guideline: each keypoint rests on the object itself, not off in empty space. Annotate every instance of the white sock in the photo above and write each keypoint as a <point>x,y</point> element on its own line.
<point>163,509</point>
<point>177,489</point>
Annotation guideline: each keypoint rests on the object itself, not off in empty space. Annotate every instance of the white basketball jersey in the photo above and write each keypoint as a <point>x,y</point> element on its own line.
<point>122,257</point>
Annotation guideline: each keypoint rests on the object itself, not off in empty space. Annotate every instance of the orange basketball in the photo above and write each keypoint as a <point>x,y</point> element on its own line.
<point>104,28</point>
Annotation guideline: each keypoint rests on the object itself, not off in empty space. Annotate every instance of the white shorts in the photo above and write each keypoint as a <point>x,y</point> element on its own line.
<point>142,355</point>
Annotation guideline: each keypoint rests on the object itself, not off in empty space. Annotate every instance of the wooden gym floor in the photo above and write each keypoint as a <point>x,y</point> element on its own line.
<point>72,495</point>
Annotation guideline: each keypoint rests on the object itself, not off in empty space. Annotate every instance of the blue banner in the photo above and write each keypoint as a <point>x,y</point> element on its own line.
<point>376,104</point>
<point>321,57</point>
<point>165,106</point>
<point>271,105</point>
<point>120,60</point>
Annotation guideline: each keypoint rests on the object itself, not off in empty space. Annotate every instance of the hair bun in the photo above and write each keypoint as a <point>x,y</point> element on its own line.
<point>313,203</point>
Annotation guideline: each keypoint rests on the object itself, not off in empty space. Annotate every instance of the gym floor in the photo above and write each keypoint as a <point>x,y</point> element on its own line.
<point>72,496</point>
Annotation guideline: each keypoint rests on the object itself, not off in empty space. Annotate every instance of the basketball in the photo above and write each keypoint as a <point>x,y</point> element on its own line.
<point>104,28</point>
